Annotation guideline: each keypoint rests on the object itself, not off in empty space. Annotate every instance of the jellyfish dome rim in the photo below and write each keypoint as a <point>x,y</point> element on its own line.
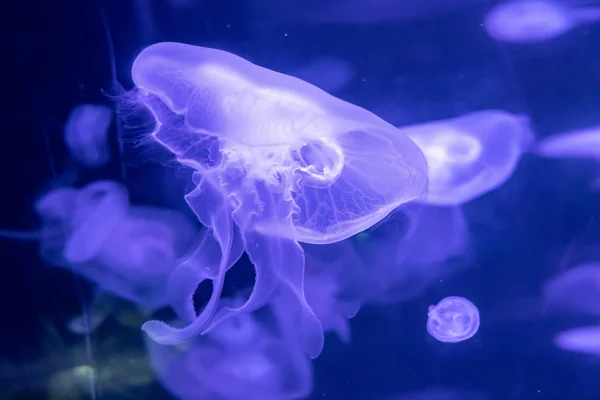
<point>339,230</point>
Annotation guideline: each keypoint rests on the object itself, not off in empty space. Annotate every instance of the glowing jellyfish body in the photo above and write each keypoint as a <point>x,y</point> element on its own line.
<point>453,320</point>
<point>470,155</point>
<point>128,251</point>
<point>243,358</point>
<point>581,340</point>
<point>86,134</point>
<point>525,21</point>
<point>277,161</point>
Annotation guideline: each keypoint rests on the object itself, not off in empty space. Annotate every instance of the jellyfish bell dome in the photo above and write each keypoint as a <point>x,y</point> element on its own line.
<point>344,168</point>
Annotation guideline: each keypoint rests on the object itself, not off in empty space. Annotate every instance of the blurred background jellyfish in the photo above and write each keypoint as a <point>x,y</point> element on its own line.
<point>528,21</point>
<point>401,256</point>
<point>86,134</point>
<point>276,162</point>
<point>454,319</point>
<point>575,145</point>
<point>327,286</point>
<point>470,155</point>
<point>580,340</point>
<point>251,356</point>
<point>127,251</point>
<point>576,290</point>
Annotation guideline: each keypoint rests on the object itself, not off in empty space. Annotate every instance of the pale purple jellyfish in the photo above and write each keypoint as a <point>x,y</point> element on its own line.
<point>403,255</point>
<point>470,155</point>
<point>453,320</point>
<point>581,340</point>
<point>129,251</point>
<point>578,144</point>
<point>251,356</point>
<point>574,291</point>
<point>277,161</point>
<point>527,21</point>
<point>86,134</point>
<point>326,287</point>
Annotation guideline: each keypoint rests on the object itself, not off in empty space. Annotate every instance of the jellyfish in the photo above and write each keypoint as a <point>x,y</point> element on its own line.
<point>453,320</point>
<point>581,340</point>
<point>129,251</point>
<point>86,134</point>
<point>276,162</point>
<point>575,291</point>
<point>404,254</point>
<point>579,144</point>
<point>470,155</point>
<point>326,287</point>
<point>528,21</point>
<point>251,356</point>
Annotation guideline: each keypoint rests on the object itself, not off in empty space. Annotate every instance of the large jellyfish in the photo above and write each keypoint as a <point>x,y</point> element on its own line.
<point>276,162</point>
<point>527,21</point>
<point>470,155</point>
<point>251,356</point>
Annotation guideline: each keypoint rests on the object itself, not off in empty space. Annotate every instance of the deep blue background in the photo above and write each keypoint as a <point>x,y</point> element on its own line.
<point>54,55</point>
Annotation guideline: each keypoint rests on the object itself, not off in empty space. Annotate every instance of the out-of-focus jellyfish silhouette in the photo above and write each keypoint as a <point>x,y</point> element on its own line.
<point>86,134</point>
<point>326,286</point>
<point>129,251</point>
<point>453,320</point>
<point>575,291</point>
<point>251,356</point>
<point>404,254</point>
<point>441,393</point>
<point>526,21</point>
<point>580,144</point>
<point>276,162</point>
<point>581,340</point>
<point>329,73</point>
<point>470,155</point>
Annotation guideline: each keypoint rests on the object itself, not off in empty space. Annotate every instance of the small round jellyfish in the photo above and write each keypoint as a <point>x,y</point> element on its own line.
<point>526,21</point>
<point>470,155</point>
<point>453,320</point>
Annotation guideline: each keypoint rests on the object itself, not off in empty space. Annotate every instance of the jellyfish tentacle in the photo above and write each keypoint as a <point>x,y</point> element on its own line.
<point>210,206</point>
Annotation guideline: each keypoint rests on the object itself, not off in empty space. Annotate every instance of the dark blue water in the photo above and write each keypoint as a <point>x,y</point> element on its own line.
<point>55,56</point>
